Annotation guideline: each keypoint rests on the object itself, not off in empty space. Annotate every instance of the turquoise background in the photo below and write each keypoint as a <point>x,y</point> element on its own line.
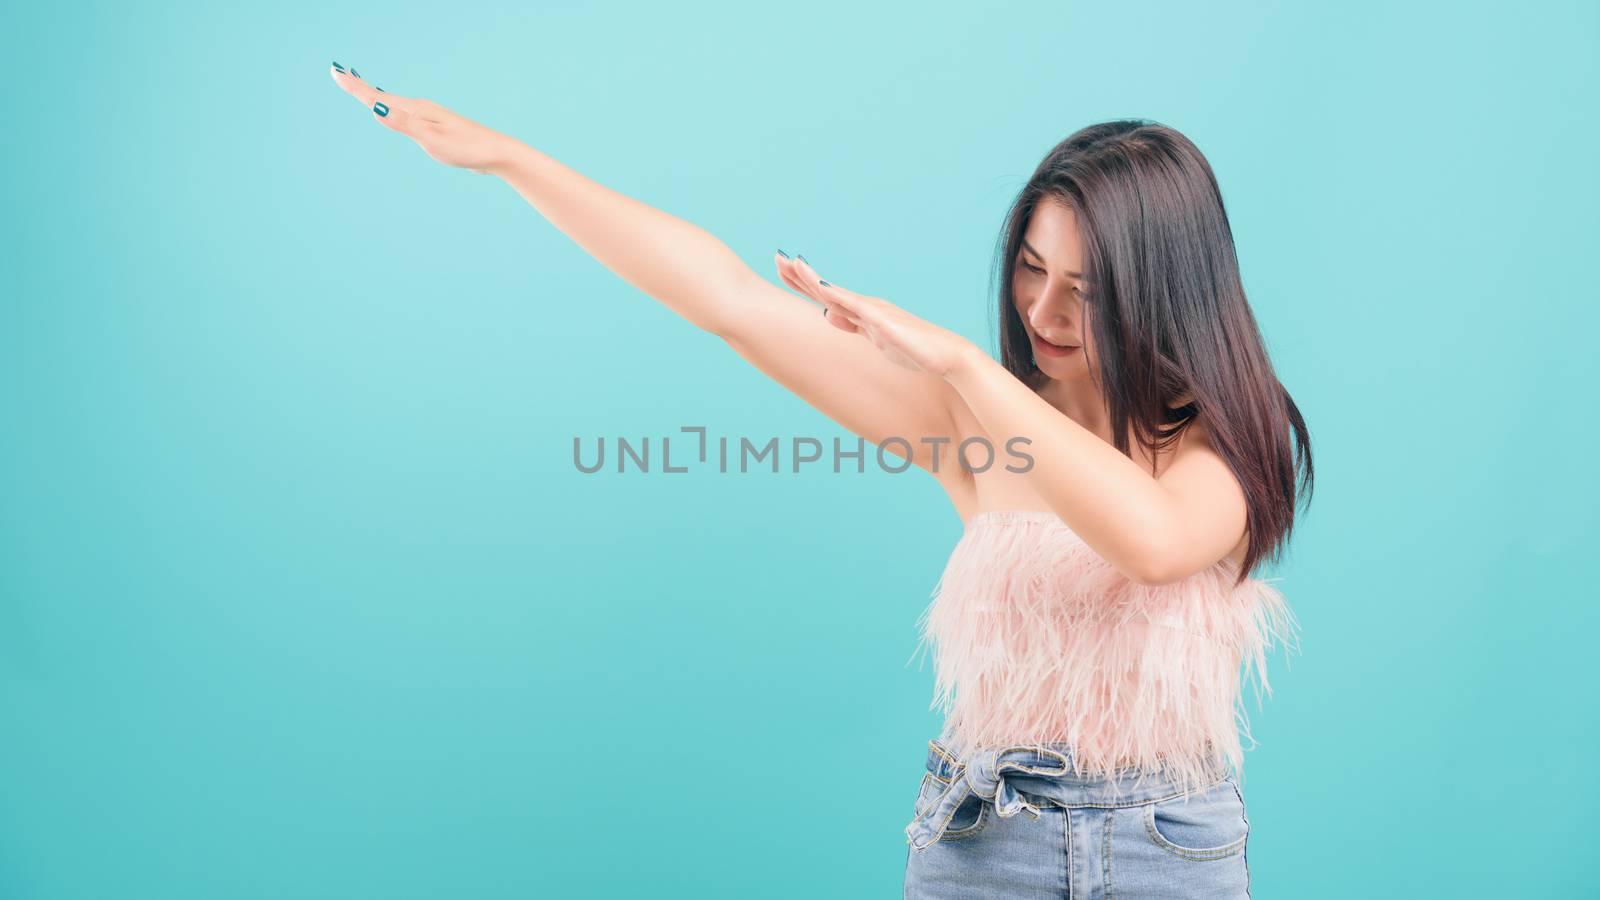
<point>303,596</point>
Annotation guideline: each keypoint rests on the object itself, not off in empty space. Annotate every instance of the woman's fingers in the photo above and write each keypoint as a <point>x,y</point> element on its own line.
<point>842,318</point>
<point>792,276</point>
<point>802,278</point>
<point>843,303</point>
<point>398,118</point>
<point>401,113</point>
<point>396,112</point>
<point>787,274</point>
<point>789,270</point>
<point>856,305</point>
<point>841,298</point>
<point>357,87</point>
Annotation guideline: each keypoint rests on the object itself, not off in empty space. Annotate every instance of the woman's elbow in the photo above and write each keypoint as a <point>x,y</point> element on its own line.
<point>1151,575</point>
<point>1154,563</point>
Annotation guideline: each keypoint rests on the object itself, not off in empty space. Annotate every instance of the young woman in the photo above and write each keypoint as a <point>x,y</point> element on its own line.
<point>1098,607</point>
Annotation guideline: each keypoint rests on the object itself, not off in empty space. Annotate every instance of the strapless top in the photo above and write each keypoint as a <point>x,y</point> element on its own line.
<point>1038,640</point>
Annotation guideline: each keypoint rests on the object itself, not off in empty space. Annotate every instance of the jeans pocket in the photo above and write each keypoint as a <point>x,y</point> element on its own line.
<point>1209,825</point>
<point>969,817</point>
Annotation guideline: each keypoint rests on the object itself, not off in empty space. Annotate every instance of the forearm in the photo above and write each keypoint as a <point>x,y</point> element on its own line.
<point>1117,507</point>
<point>675,261</point>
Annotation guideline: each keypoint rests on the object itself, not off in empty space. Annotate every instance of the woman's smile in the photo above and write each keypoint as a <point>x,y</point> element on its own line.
<point>1049,349</point>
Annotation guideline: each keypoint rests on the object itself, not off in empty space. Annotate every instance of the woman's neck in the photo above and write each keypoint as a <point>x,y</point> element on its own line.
<point>1079,401</point>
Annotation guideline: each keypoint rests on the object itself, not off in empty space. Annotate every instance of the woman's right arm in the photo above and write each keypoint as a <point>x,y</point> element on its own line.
<point>696,275</point>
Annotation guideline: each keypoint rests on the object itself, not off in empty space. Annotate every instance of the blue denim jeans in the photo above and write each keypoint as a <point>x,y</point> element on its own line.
<point>1015,822</point>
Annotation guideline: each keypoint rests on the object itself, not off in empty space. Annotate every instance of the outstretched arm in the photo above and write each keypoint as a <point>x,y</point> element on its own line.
<point>696,275</point>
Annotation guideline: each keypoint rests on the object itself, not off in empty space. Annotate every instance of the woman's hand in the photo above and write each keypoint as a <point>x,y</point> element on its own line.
<point>449,138</point>
<point>908,341</point>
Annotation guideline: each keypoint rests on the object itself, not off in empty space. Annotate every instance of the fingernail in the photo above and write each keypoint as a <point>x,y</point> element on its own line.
<point>337,66</point>
<point>376,88</point>
<point>823,283</point>
<point>354,72</point>
<point>380,108</point>
<point>802,258</point>
<point>824,312</point>
<point>783,254</point>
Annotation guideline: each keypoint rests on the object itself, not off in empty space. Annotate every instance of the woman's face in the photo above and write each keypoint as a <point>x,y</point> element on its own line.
<point>1049,289</point>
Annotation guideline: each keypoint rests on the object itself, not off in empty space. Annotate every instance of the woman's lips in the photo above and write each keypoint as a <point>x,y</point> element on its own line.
<point>1049,349</point>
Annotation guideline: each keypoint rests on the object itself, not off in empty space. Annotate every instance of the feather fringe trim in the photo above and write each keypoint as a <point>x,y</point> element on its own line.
<point>1038,640</point>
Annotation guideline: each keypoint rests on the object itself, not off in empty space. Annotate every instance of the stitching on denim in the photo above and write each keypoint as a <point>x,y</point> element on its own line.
<point>1124,804</point>
<point>947,834</point>
<point>917,808</point>
<point>1246,851</point>
<point>1192,853</point>
<point>1105,866</point>
<point>944,827</point>
<point>1066,815</point>
<point>905,881</point>
<point>974,828</point>
<point>951,815</point>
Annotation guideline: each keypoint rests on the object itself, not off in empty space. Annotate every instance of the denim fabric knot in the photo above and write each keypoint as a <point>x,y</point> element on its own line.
<point>983,775</point>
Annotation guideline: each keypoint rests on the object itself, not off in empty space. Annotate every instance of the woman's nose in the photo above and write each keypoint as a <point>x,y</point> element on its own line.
<point>1045,317</point>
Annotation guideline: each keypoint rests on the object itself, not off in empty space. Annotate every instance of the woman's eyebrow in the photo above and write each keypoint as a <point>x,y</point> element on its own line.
<point>1029,247</point>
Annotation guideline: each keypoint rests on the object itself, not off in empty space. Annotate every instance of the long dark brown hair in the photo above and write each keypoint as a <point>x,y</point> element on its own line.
<point>1174,333</point>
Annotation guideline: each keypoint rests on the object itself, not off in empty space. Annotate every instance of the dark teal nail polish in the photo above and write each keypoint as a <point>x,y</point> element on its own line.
<point>802,258</point>
<point>824,283</point>
<point>376,88</point>
<point>380,108</point>
<point>824,312</point>
<point>355,73</point>
<point>783,254</point>
<point>337,66</point>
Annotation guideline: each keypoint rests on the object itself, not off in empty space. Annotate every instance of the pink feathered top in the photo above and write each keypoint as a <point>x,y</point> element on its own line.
<point>1037,639</point>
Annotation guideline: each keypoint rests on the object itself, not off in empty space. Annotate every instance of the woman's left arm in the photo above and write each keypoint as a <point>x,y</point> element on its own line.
<point>1155,531</point>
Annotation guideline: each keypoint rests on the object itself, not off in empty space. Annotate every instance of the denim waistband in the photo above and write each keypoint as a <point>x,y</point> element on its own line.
<point>1008,776</point>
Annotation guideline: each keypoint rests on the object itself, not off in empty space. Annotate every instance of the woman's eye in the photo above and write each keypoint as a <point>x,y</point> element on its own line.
<point>1076,290</point>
